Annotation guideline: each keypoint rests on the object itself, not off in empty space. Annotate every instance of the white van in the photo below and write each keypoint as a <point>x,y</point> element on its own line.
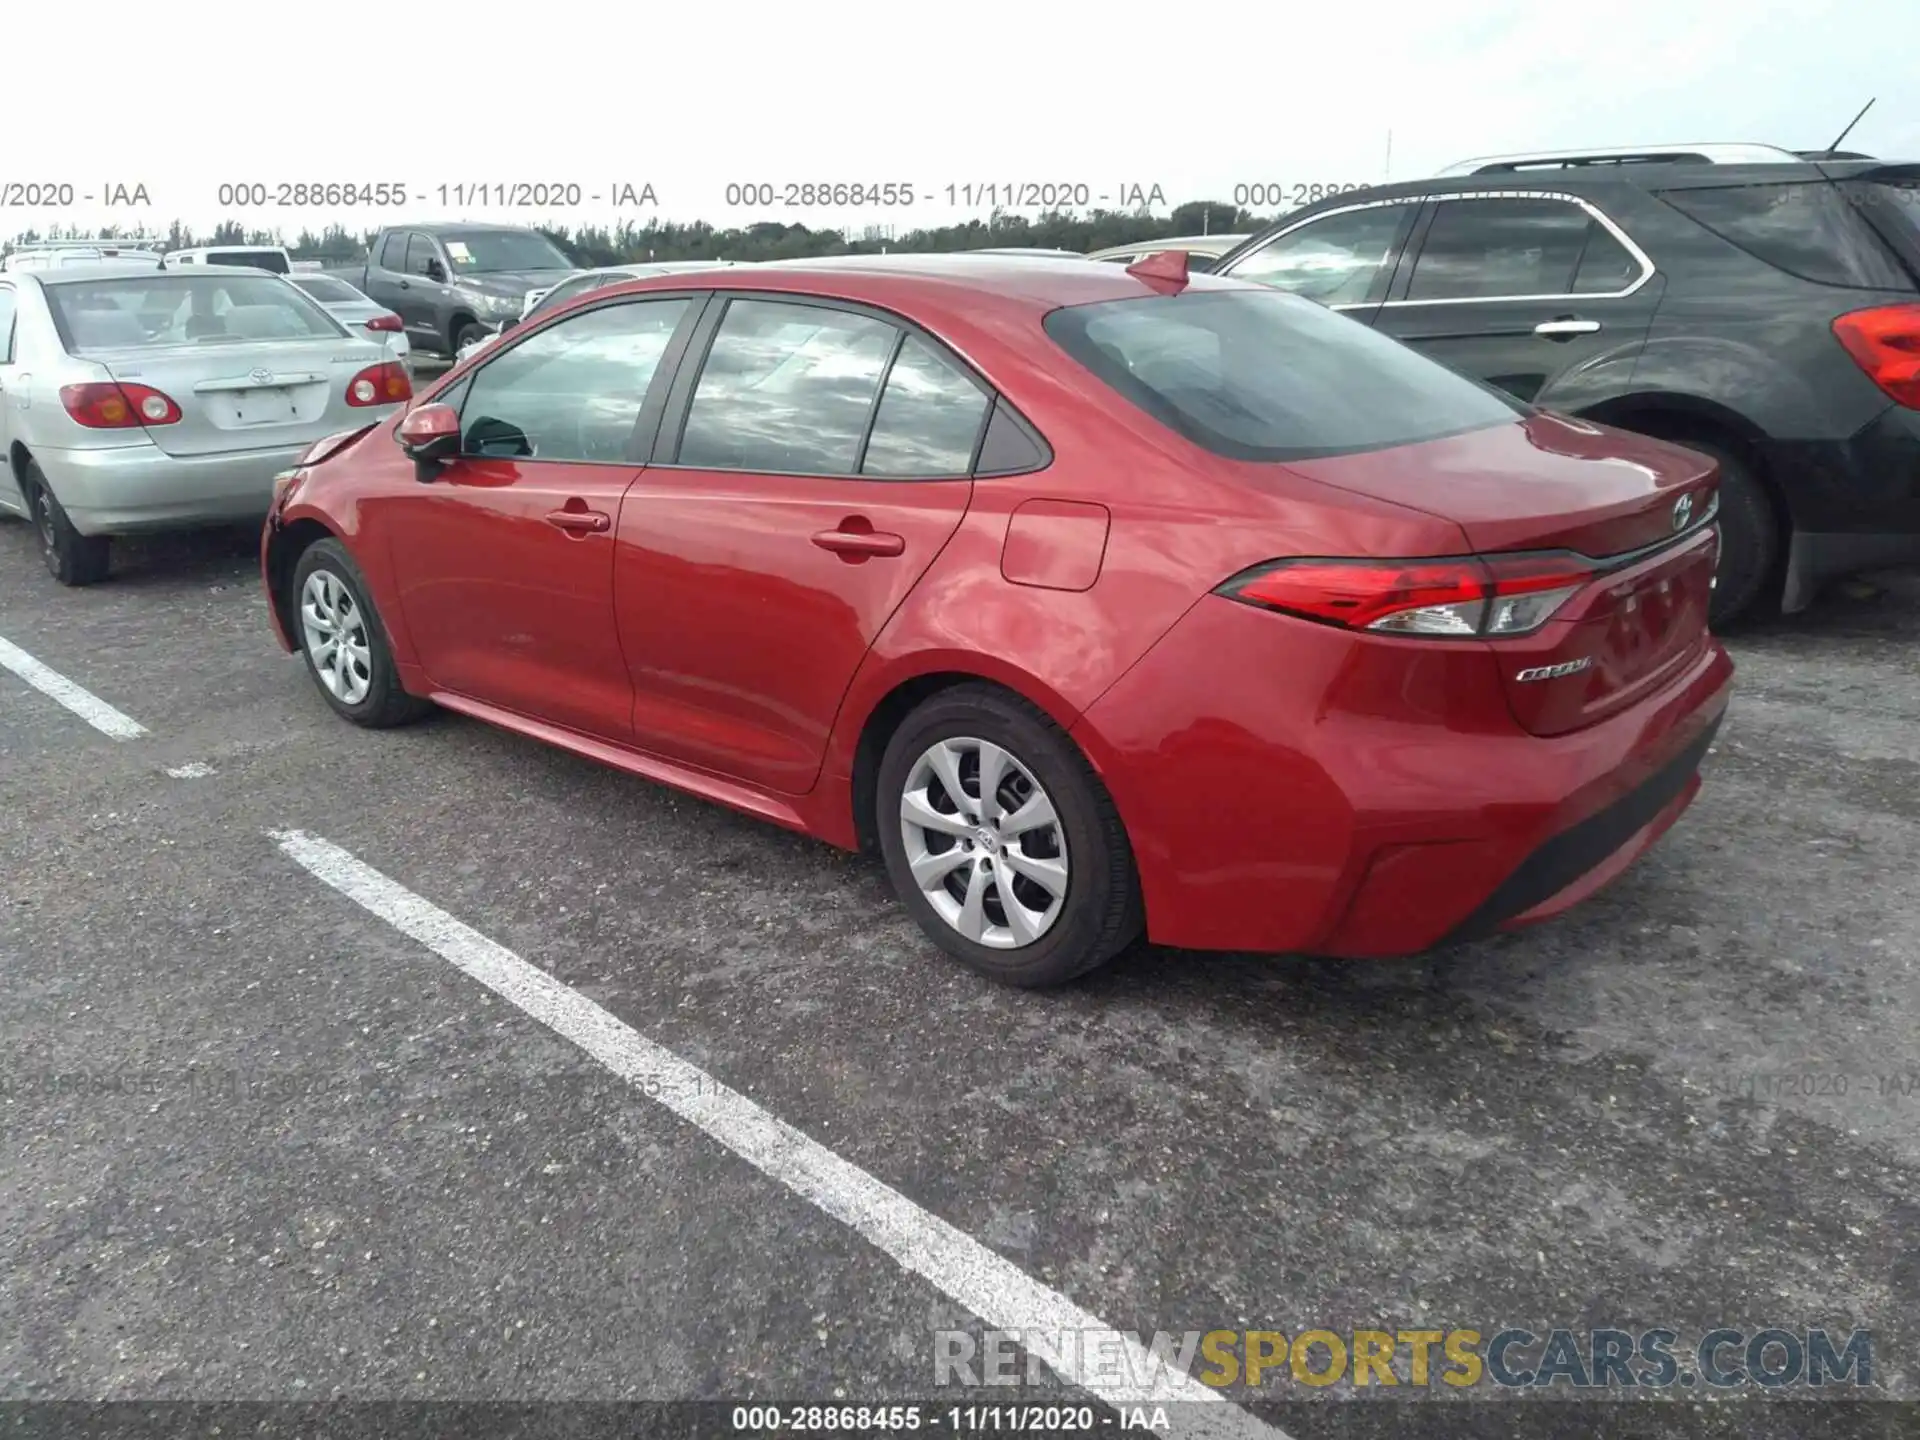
<point>253,257</point>
<point>60,254</point>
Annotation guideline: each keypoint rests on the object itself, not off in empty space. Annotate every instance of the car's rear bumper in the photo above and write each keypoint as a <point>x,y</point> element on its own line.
<point>1291,787</point>
<point>1855,503</point>
<point>129,490</point>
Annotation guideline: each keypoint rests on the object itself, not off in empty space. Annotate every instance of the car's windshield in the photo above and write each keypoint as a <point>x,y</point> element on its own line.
<point>484,252</point>
<point>145,311</point>
<point>329,291</point>
<point>1264,375</point>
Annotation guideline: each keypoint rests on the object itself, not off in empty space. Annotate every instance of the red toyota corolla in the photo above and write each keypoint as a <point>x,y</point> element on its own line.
<point>1101,601</point>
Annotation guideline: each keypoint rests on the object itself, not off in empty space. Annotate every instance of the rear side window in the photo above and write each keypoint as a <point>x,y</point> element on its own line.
<point>1261,375</point>
<point>1809,229</point>
<point>786,390</point>
<point>393,251</point>
<point>6,324</point>
<point>929,418</point>
<point>1490,249</point>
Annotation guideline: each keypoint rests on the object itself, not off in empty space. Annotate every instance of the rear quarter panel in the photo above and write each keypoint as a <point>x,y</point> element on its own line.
<point>1182,522</point>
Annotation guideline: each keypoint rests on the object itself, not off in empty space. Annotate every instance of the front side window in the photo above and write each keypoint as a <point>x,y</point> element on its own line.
<point>419,254</point>
<point>176,308</point>
<point>1339,259</point>
<point>929,419</point>
<point>572,391</point>
<point>787,389</point>
<point>1505,248</point>
<point>1261,375</point>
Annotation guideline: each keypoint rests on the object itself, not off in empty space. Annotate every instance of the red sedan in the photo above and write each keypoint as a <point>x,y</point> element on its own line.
<point>1101,601</point>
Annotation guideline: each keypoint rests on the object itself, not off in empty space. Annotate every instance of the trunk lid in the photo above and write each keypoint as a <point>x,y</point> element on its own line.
<point>249,395</point>
<point>1637,507</point>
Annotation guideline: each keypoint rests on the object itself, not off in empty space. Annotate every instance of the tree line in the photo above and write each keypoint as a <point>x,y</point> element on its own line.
<point>593,245</point>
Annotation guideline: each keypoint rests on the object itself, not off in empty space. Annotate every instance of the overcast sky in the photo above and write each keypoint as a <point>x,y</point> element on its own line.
<point>1196,99</point>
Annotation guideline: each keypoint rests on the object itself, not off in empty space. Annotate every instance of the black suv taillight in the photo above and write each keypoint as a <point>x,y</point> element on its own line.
<point>1885,342</point>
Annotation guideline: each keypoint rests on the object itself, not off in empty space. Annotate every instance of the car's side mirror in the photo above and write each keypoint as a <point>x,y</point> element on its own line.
<point>431,437</point>
<point>435,270</point>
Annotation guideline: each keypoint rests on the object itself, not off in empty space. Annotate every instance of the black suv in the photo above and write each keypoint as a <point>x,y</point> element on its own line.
<point>1757,305</point>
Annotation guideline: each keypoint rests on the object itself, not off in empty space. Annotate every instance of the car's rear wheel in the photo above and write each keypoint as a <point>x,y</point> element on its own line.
<point>71,558</point>
<point>1749,539</point>
<point>344,643</point>
<point>1002,841</point>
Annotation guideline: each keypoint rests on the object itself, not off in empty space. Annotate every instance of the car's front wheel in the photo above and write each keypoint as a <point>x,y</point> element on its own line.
<point>70,557</point>
<point>1002,841</point>
<point>344,643</point>
<point>470,333</point>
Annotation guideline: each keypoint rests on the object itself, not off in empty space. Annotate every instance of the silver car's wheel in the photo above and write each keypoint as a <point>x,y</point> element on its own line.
<point>984,843</point>
<point>335,630</point>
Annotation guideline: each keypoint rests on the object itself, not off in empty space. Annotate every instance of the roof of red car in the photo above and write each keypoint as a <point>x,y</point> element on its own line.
<point>1036,282</point>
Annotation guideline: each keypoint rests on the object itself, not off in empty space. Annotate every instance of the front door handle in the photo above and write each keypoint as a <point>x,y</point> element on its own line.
<point>858,544</point>
<point>579,522</point>
<point>1566,327</point>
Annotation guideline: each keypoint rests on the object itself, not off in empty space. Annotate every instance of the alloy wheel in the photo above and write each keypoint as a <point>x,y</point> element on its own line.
<point>984,842</point>
<point>335,630</point>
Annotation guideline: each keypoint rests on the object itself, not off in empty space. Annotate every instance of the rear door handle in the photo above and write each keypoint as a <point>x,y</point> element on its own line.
<point>859,543</point>
<point>1566,328</point>
<point>579,522</point>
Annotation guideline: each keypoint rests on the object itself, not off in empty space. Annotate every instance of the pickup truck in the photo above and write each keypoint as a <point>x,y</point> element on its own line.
<point>453,284</point>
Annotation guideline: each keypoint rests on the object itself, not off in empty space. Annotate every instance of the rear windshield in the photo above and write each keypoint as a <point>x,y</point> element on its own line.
<point>329,291</point>
<point>253,259</point>
<point>1264,375</point>
<point>166,308</point>
<point>1810,229</point>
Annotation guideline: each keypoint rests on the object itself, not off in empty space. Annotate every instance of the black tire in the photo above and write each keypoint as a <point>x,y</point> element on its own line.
<point>1749,540</point>
<point>1100,913</point>
<point>71,558</point>
<point>465,334</point>
<point>384,704</point>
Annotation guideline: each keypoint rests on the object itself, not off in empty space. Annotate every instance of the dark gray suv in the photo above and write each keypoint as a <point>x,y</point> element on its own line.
<point>1753,304</point>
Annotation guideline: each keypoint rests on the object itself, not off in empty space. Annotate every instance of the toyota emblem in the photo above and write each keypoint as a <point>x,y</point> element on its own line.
<point>261,376</point>
<point>1682,512</point>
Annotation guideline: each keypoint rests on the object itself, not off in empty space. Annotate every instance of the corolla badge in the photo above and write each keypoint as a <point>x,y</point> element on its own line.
<point>1554,672</point>
<point>261,376</point>
<point>1682,512</point>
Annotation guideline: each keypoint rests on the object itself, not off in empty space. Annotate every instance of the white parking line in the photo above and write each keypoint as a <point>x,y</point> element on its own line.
<point>84,703</point>
<point>968,1272</point>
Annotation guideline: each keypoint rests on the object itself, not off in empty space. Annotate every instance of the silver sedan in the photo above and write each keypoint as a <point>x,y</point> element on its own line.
<point>355,311</point>
<point>141,400</point>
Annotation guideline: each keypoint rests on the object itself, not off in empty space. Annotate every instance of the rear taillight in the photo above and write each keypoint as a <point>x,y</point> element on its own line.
<point>383,384</point>
<point>1465,598</point>
<point>105,405</point>
<point>1885,342</point>
<point>389,323</point>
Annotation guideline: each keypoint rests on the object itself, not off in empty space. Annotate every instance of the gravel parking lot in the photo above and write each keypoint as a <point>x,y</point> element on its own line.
<point>331,1163</point>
